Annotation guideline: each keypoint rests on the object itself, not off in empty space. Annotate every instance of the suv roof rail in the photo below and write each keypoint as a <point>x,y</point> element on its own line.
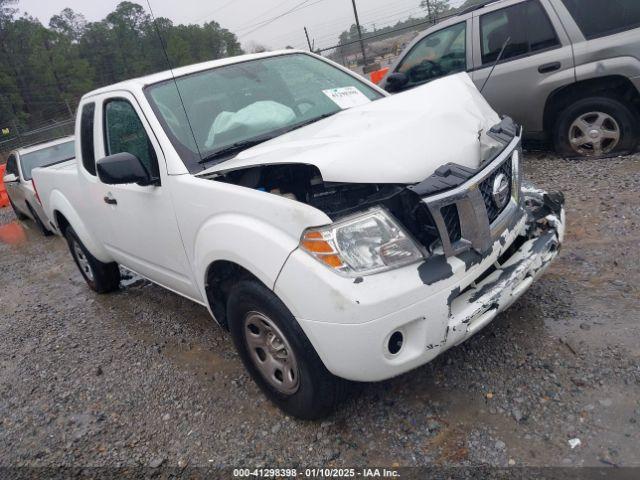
<point>477,6</point>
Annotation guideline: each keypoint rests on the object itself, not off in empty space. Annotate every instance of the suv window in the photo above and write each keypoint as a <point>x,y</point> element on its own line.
<point>596,20</point>
<point>12,165</point>
<point>527,27</point>
<point>124,132</point>
<point>441,53</point>
<point>86,138</point>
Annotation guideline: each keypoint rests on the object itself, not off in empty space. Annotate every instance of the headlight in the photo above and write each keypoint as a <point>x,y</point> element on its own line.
<point>361,245</point>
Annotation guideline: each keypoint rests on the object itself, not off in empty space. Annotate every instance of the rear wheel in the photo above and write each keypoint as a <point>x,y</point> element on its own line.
<point>278,355</point>
<point>101,277</point>
<point>41,226</point>
<point>596,127</point>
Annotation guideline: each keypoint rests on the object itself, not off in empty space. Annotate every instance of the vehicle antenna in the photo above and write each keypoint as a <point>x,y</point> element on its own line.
<point>166,56</point>
<point>496,63</point>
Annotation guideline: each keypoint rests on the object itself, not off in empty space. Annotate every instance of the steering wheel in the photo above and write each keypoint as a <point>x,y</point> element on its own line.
<point>425,70</point>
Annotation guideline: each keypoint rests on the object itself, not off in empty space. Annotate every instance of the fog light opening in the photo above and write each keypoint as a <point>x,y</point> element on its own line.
<point>395,343</point>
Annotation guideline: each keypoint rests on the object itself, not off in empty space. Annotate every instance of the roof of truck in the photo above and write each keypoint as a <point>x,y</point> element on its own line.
<point>141,82</point>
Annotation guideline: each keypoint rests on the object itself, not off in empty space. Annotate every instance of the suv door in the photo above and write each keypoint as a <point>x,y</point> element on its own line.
<point>440,53</point>
<point>143,231</point>
<point>537,60</point>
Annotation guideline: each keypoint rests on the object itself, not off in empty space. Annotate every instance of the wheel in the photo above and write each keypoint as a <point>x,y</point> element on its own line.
<point>596,127</point>
<point>278,354</point>
<point>41,226</point>
<point>101,277</point>
<point>19,215</point>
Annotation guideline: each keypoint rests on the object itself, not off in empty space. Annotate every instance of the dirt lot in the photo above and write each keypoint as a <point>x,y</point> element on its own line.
<point>144,377</point>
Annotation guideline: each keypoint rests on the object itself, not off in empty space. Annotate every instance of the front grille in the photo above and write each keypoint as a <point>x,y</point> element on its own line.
<point>467,216</point>
<point>452,222</point>
<point>486,188</point>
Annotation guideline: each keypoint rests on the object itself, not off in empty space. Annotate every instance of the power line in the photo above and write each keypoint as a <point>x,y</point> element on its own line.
<point>298,7</point>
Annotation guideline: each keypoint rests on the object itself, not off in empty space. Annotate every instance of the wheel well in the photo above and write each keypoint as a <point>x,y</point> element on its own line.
<point>221,276</point>
<point>615,86</point>
<point>61,221</point>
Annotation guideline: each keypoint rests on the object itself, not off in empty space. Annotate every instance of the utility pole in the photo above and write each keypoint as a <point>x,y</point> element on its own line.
<point>306,32</point>
<point>355,12</point>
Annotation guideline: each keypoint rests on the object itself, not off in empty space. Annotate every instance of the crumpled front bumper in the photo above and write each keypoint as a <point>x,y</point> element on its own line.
<point>351,322</point>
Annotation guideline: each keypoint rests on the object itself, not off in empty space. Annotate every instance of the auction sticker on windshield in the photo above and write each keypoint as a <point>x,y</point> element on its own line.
<point>347,97</point>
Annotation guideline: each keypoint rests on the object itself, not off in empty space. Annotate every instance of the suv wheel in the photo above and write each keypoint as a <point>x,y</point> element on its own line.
<point>278,355</point>
<point>596,127</point>
<point>101,277</point>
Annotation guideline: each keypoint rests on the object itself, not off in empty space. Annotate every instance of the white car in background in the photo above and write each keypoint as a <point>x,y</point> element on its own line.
<point>18,181</point>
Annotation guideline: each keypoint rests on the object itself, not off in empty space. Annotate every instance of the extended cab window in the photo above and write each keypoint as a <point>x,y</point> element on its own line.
<point>12,165</point>
<point>526,26</point>
<point>86,138</point>
<point>124,132</point>
<point>597,20</point>
<point>439,54</point>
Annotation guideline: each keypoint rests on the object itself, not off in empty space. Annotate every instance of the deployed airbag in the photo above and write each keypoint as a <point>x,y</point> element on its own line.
<point>259,117</point>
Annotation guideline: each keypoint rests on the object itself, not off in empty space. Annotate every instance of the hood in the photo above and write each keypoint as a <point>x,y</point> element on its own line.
<point>400,139</point>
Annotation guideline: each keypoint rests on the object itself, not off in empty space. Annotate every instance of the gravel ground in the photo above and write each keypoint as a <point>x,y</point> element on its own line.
<point>145,378</point>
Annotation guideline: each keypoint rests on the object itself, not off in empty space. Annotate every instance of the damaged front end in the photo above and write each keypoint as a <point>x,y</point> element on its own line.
<point>458,211</point>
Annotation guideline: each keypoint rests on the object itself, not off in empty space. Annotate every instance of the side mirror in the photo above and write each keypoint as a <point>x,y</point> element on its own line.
<point>124,168</point>
<point>396,82</point>
<point>10,178</point>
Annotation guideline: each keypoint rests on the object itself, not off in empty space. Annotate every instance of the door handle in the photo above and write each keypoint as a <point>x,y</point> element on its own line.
<point>549,67</point>
<point>108,199</point>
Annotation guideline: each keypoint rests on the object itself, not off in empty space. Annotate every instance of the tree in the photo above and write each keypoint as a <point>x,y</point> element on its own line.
<point>435,8</point>
<point>46,68</point>
<point>68,23</point>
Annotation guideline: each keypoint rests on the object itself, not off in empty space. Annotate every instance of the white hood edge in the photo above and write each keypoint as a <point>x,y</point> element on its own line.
<point>400,139</point>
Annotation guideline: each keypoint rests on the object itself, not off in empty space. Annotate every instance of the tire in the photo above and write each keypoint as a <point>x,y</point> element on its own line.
<point>18,214</point>
<point>101,277</point>
<point>314,392</point>
<point>602,115</point>
<point>41,226</point>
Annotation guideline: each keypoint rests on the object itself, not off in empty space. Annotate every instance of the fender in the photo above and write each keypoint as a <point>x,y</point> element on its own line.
<point>627,66</point>
<point>250,242</point>
<point>59,203</point>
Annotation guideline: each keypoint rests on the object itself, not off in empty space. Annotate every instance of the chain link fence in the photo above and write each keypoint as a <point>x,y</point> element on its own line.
<point>13,137</point>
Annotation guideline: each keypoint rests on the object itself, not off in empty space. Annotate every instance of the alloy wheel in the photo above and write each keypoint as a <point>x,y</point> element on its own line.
<point>594,134</point>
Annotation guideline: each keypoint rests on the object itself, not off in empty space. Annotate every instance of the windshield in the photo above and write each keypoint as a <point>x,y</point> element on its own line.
<point>236,106</point>
<point>46,157</point>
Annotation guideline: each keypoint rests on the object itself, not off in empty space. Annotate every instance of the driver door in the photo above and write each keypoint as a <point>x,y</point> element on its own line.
<point>143,230</point>
<point>437,55</point>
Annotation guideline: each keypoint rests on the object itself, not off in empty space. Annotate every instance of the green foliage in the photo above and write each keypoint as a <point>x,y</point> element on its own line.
<point>45,70</point>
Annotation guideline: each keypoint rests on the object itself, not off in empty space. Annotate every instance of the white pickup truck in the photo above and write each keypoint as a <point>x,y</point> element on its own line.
<point>337,232</point>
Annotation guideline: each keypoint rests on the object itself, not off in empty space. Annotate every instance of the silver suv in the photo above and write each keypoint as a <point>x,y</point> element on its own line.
<point>570,71</point>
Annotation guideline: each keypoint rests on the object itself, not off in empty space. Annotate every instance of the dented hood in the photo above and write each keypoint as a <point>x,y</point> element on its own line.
<point>399,139</point>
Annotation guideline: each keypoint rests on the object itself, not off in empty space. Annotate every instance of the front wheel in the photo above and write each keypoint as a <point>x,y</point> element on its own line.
<point>278,354</point>
<point>101,277</point>
<point>596,127</point>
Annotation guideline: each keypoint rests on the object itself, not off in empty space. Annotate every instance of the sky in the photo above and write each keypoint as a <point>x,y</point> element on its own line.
<point>325,19</point>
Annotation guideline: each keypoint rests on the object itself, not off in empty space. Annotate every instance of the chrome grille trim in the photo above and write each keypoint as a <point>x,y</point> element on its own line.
<point>477,231</point>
